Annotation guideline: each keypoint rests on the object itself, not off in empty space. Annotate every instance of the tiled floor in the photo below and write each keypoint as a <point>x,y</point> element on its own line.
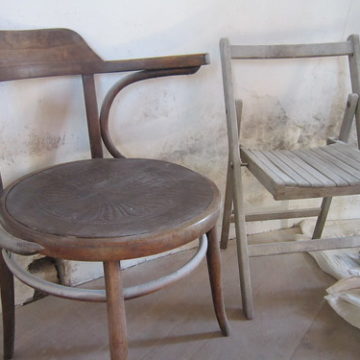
<point>292,319</point>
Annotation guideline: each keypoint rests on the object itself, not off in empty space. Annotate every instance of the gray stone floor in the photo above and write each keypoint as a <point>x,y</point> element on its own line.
<point>292,319</point>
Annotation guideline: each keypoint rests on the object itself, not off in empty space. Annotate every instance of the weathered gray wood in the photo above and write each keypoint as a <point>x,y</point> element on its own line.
<point>228,190</point>
<point>278,174</point>
<point>320,222</point>
<point>234,157</point>
<point>228,203</point>
<point>299,167</point>
<point>282,214</point>
<point>352,172</point>
<point>339,151</point>
<point>298,177</point>
<point>298,174</point>
<point>354,64</point>
<point>288,247</point>
<point>333,140</point>
<point>316,178</point>
<point>322,166</point>
<point>290,51</point>
<point>349,113</point>
<point>263,174</point>
<point>238,109</point>
<point>322,171</point>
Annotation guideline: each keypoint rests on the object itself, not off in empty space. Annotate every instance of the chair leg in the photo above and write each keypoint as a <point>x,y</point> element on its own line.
<point>214,268</point>
<point>320,223</point>
<point>8,308</point>
<point>242,245</point>
<point>227,211</point>
<point>116,311</point>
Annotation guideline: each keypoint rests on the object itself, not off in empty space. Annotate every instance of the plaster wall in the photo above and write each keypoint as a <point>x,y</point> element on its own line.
<point>182,119</point>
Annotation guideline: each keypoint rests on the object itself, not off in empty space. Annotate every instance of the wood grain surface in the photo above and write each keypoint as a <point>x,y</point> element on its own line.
<point>108,201</point>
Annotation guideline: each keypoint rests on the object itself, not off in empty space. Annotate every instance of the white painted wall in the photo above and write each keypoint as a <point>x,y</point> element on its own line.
<point>181,119</point>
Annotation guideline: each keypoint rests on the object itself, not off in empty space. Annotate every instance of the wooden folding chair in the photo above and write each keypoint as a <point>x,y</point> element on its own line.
<point>325,171</point>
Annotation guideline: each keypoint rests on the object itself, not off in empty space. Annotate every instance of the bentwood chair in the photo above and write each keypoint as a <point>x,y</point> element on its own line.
<point>321,172</point>
<point>101,209</point>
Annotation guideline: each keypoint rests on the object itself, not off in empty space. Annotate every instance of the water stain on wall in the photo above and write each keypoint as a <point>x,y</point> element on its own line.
<point>268,126</point>
<point>36,144</point>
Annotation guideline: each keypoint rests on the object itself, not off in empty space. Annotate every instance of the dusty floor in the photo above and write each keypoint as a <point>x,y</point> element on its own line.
<point>292,319</point>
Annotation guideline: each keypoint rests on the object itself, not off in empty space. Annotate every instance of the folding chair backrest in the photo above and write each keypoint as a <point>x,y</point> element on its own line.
<point>349,48</point>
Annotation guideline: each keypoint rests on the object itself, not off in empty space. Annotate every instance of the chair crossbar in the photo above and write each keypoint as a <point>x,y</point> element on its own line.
<point>288,247</point>
<point>291,51</point>
<point>284,214</point>
<point>99,295</point>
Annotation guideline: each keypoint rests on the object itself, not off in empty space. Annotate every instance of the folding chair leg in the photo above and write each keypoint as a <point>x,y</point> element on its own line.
<point>242,246</point>
<point>320,223</point>
<point>8,308</point>
<point>227,210</point>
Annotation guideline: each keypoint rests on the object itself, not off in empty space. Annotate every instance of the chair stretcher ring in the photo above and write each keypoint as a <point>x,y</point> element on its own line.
<point>100,295</point>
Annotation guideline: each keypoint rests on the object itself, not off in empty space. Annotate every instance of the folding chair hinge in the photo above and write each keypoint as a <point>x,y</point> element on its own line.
<point>241,164</point>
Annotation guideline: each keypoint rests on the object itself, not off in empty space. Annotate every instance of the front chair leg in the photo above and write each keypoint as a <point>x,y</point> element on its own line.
<point>116,311</point>
<point>214,268</point>
<point>8,308</point>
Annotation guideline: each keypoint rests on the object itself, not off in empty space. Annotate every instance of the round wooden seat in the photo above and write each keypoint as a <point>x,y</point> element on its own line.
<point>104,209</point>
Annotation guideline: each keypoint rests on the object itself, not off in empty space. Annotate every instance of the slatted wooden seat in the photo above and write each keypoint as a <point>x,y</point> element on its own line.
<point>325,171</point>
<point>101,209</point>
<point>299,174</point>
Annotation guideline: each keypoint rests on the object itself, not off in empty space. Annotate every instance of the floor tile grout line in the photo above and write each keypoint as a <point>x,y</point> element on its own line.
<point>307,329</point>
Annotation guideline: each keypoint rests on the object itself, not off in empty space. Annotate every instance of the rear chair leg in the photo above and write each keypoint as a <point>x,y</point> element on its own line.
<point>320,223</point>
<point>242,244</point>
<point>8,308</point>
<point>214,268</point>
<point>227,210</point>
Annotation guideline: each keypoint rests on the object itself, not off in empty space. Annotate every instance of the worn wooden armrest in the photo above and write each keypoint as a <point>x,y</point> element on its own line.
<point>153,63</point>
<point>99,66</point>
<point>16,245</point>
<point>177,65</point>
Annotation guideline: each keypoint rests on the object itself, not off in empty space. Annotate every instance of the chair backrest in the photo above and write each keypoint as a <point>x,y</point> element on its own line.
<point>57,52</point>
<point>349,48</point>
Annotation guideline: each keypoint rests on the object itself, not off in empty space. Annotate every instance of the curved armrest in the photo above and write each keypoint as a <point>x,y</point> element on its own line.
<point>121,84</point>
<point>153,63</point>
<point>16,245</point>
